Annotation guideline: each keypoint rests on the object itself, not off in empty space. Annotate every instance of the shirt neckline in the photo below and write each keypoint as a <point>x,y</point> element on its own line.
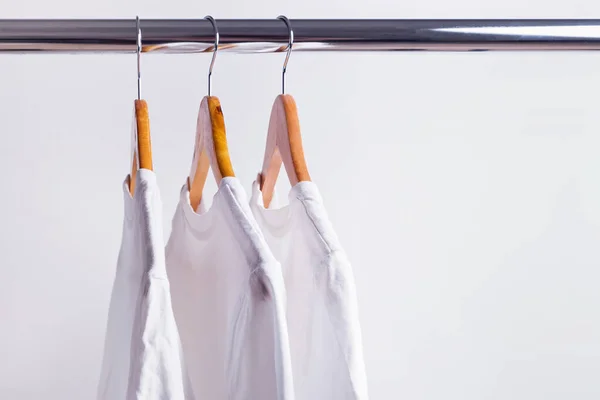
<point>202,221</point>
<point>279,218</point>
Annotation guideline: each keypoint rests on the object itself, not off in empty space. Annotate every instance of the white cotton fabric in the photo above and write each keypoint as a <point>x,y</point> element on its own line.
<point>229,300</point>
<point>142,359</point>
<point>323,325</point>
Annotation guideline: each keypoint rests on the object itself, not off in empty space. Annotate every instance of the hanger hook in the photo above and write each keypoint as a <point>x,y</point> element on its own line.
<point>216,48</point>
<point>139,57</point>
<point>289,49</point>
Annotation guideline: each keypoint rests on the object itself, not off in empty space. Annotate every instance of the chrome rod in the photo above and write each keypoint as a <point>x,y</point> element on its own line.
<point>266,36</point>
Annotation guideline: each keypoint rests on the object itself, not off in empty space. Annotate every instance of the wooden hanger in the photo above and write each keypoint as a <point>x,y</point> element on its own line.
<point>210,149</point>
<point>284,145</point>
<point>284,141</point>
<point>142,148</point>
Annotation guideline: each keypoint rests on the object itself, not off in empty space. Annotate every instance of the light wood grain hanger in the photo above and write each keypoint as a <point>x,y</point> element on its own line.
<point>284,141</point>
<point>210,149</point>
<point>141,144</point>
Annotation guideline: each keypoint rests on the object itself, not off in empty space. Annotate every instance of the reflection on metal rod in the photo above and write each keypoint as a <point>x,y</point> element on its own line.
<point>258,35</point>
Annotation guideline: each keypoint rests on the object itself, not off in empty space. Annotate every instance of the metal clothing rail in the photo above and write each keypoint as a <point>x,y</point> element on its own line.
<point>263,36</point>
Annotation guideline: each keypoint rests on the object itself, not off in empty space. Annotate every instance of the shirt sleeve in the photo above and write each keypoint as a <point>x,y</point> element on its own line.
<point>342,308</point>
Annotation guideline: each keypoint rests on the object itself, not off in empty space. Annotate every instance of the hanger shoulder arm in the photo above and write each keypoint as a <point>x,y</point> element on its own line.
<point>143,134</point>
<point>141,143</point>
<point>293,156</point>
<point>219,150</point>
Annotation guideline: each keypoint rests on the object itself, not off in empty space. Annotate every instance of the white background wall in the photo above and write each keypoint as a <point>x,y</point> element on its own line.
<point>465,187</point>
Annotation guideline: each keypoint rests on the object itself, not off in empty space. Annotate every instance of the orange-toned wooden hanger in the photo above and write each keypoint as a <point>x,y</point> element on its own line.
<point>284,141</point>
<point>210,149</point>
<point>142,147</point>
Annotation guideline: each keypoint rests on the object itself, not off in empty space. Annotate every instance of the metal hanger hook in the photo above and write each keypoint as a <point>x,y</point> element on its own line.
<point>289,49</point>
<point>216,48</point>
<point>139,57</point>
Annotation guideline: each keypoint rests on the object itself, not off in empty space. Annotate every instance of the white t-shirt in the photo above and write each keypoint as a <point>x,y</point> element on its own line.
<point>229,300</point>
<point>142,359</point>
<point>324,331</point>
